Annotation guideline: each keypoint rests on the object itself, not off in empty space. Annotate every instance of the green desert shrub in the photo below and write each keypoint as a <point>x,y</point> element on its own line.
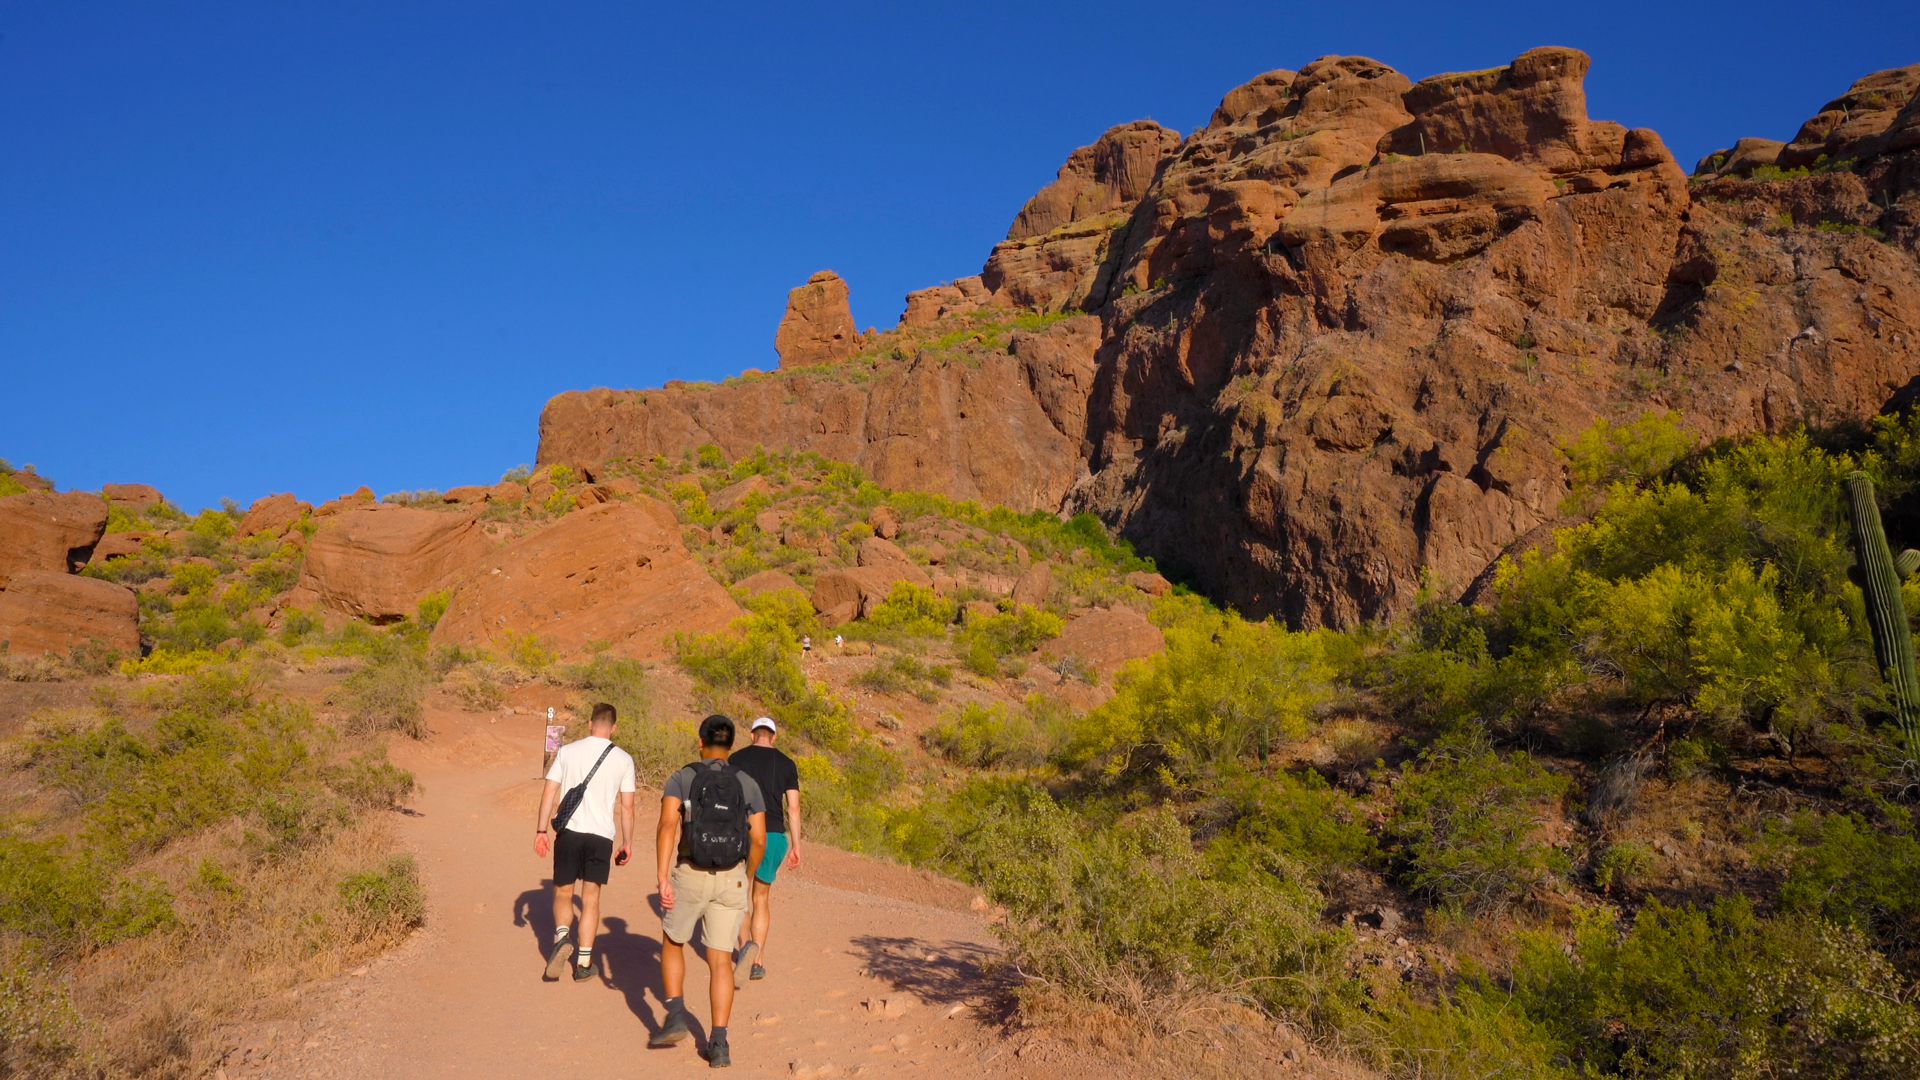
<point>987,736</point>
<point>1722,993</point>
<point>910,611</point>
<point>68,898</point>
<point>388,694</point>
<point>1464,819</point>
<point>386,898</point>
<point>903,673</point>
<point>1842,868</point>
<point>1303,817</point>
<point>1223,690</point>
<point>983,644</point>
<point>760,656</point>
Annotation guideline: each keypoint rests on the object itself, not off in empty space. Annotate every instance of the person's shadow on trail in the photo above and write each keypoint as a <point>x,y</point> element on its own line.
<point>627,962</point>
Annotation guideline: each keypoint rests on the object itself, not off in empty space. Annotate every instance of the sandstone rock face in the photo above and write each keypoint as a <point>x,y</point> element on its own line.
<point>818,326</point>
<point>1008,431</point>
<point>1062,245</point>
<point>734,494</point>
<point>1034,585</point>
<point>1335,337</point>
<point>615,573</point>
<point>116,546</point>
<point>767,581</point>
<point>135,495</point>
<point>41,530</point>
<point>1107,638</point>
<point>862,588</point>
<point>53,611</point>
<point>928,306</point>
<point>375,562</point>
<point>466,493</point>
<point>272,514</point>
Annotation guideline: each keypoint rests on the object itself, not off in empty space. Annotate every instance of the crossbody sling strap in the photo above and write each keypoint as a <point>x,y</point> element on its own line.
<point>576,794</point>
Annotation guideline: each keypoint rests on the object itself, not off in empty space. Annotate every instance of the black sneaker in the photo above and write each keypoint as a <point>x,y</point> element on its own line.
<point>717,1056</point>
<point>672,1032</point>
<point>743,961</point>
<point>757,972</point>
<point>582,972</point>
<point>562,952</point>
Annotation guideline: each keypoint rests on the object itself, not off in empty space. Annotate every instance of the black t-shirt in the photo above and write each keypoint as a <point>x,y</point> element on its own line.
<point>776,774</point>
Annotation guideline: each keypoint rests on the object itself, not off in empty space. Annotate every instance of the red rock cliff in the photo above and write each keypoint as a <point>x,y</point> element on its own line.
<point>1332,337</point>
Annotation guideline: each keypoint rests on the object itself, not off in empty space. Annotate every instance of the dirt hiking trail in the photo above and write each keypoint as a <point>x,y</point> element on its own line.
<point>874,969</point>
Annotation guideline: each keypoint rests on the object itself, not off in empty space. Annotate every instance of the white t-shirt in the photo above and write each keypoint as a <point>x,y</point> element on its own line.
<point>570,766</point>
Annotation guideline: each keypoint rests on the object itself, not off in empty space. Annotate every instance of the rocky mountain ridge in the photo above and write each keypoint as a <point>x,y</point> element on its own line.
<point>1331,339</point>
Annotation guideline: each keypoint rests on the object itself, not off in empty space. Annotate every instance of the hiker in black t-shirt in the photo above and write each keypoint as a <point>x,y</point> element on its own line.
<point>779,780</point>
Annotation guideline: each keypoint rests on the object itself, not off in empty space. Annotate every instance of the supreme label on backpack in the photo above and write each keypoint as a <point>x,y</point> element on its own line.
<point>715,834</point>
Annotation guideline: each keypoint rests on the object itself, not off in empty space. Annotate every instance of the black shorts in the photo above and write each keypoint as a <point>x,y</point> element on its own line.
<point>578,855</point>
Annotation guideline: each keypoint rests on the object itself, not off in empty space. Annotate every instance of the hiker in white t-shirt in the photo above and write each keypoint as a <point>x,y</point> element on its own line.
<point>595,835</point>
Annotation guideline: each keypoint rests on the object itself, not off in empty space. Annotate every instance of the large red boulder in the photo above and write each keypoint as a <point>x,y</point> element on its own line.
<point>45,611</point>
<point>818,326</point>
<point>1106,638</point>
<point>41,530</point>
<point>271,514</point>
<point>615,573</point>
<point>139,496</point>
<point>376,561</point>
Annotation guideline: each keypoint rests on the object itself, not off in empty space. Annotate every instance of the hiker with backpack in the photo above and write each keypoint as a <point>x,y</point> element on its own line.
<point>587,810</point>
<point>712,834</point>
<point>779,780</point>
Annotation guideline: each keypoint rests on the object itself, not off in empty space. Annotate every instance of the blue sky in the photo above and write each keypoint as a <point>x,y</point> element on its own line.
<point>254,247</point>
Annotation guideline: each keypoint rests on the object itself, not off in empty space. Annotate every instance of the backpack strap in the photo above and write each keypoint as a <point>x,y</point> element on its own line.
<point>596,763</point>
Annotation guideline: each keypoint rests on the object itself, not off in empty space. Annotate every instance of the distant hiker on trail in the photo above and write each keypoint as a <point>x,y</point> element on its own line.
<point>713,832</point>
<point>588,804</point>
<point>779,780</point>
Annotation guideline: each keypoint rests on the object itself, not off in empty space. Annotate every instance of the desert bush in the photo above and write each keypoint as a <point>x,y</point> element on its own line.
<point>1134,918</point>
<point>1301,816</point>
<point>1722,993</point>
<point>760,655</point>
<point>369,781</point>
<point>386,898</point>
<point>1224,689</point>
<point>387,694</point>
<point>904,673</point>
<point>984,643</point>
<point>1840,867</point>
<point>41,1034</point>
<point>67,900</point>
<point>276,573</point>
<point>987,736</point>
<point>1464,818</point>
<point>1623,864</point>
<point>908,611</point>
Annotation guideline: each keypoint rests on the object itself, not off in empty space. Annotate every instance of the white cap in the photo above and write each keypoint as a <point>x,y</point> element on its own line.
<point>764,722</point>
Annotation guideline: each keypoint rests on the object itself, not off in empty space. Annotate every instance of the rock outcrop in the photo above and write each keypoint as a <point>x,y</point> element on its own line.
<point>376,562</point>
<point>42,530</point>
<point>140,496</point>
<point>271,514</point>
<point>1106,638</point>
<point>1331,339</point>
<point>615,573</point>
<point>45,611</point>
<point>818,326</point>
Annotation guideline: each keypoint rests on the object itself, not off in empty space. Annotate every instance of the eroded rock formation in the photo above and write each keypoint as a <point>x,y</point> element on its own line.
<point>376,562</point>
<point>1331,339</point>
<point>818,326</point>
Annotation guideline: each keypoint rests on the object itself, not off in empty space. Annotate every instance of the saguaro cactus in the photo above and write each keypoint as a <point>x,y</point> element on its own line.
<point>1886,612</point>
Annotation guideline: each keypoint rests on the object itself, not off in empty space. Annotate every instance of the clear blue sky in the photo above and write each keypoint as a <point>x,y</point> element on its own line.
<point>254,247</point>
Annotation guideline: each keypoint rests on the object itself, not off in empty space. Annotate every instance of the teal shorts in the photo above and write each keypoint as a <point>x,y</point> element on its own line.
<point>775,855</point>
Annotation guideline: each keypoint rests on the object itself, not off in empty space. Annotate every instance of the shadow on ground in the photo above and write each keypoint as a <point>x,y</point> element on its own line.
<point>943,973</point>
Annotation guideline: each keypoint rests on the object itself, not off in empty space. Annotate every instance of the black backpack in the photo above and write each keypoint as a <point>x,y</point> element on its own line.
<point>714,834</point>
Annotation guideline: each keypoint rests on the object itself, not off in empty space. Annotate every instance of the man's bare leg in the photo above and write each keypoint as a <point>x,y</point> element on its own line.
<point>719,983</point>
<point>589,913</point>
<point>563,908</point>
<point>673,968</point>
<point>762,918</point>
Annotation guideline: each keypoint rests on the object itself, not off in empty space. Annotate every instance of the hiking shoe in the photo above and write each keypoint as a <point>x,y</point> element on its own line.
<point>671,1032</point>
<point>582,972</point>
<point>757,973</point>
<point>562,952</point>
<point>744,961</point>
<point>717,1056</point>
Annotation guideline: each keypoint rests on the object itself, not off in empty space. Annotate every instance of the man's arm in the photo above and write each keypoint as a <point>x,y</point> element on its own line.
<point>666,844</point>
<point>623,824</point>
<point>757,831</point>
<point>793,827</point>
<point>548,797</point>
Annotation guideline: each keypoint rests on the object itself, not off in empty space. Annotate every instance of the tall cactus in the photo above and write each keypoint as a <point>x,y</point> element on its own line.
<point>1886,612</point>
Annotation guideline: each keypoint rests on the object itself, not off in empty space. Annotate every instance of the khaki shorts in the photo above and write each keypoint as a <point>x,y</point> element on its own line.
<point>715,900</point>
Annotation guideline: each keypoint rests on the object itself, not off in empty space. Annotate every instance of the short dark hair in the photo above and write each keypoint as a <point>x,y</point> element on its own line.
<point>604,710</point>
<point>716,730</point>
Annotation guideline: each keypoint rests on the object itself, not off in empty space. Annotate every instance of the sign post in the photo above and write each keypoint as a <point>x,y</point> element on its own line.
<point>555,732</point>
